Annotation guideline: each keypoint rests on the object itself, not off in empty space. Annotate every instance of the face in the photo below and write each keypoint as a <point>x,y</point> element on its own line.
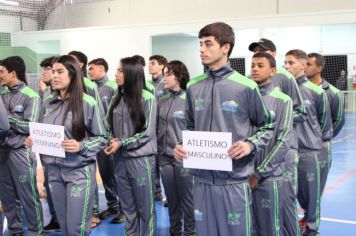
<point>170,80</point>
<point>260,49</point>
<point>46,74</point>
<point>119,76</point>
<point>261,71</point>
<point>95,72</point>
<point>154,68</point>
<point>312,69</point>
<point>294,66</point>
<point>6,77</point>
<point>212,54</point>
<point>60,77</point>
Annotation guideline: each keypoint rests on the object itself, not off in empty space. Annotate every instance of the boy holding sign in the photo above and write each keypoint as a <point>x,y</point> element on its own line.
<point>222,100</point>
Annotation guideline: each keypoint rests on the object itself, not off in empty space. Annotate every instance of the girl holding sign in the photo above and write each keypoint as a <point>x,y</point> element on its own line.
<point>177,181</point>
<point>132,117</point>
<point>72,179</point>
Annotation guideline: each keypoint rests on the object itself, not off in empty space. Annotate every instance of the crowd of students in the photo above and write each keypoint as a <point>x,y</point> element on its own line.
<point>281,121</point>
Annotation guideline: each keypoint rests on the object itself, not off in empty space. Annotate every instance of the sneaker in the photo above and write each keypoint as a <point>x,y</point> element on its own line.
<point>52,226</point>
<point>107,213</point>
<point>95,221</point>
<point>119,219</point>
<point>165,203</point>
<point>302,223</point>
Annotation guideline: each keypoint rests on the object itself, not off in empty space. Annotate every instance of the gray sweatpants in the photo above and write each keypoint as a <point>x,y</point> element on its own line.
<point>106,170</point>
<point>18,183</point>
<point>48,193</point>
<point>135,186</point>
<point>72,192</point>
<point>309,189</point>
<point>178,184</point>
<point>325,164</point>
<point>267,208</point>
<point>222,209</point>
<point>290,186</point>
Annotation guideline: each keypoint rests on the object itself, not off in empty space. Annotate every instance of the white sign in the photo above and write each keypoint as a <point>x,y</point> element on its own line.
<point>207,150</point>
<point>47,139</point>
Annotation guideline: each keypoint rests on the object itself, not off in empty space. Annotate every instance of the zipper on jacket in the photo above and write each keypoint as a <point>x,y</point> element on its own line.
<point>169,108</point>
<point>211,115</point>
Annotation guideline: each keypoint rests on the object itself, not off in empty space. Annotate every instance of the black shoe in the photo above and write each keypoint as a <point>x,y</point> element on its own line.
<point>119,219</point>
<point>107,213</point>
<point>158,197</point>
<point>165,203</point>
<point>53,226</point>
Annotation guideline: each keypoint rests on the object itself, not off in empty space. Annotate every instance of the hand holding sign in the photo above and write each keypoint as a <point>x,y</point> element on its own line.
<point>179,153</point>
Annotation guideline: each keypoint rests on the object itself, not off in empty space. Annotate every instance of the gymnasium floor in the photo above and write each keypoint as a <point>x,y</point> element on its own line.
<point>338,208</point>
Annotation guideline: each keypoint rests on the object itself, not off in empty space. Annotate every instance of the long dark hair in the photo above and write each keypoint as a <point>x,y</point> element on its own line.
<point>75,90</point>
<point>134,79</point>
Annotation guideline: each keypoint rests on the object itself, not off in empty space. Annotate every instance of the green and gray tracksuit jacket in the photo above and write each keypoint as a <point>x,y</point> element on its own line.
<point>53,113</point>
<point>23,105</point>
<point>226,101</point>
<point>135,144</point>
<point>171,121</point>
<point>158,86</point>
<point>269,161</point>
<point>336,106</point>
<point>107,89</point>
<point>318,126</point>
<point>4,122</point>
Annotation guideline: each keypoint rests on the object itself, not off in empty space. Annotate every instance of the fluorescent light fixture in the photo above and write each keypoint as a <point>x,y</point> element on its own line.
<point>7,2</point>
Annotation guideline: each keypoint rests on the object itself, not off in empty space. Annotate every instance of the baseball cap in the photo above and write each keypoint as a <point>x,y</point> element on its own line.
<point>263,43</point>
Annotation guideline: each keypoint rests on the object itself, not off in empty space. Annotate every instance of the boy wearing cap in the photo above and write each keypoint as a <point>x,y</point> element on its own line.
<point>285,81</point>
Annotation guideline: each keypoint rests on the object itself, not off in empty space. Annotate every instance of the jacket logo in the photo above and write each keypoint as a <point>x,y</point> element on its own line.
<point>159,93</point>
<point>229,106</point>
<point>18,108</point>
<point>23,178</point>
<point>307,103</point>
<point>140,181</point>
<point>273,114</point>
<point>199,104</point>
<point>198,215</point>
<point>75,191</point>
<point>184,172</point>
<point>287,175</point>
<point>310,177</point>
<point>48,111</point>
<point>233,218</point>
<point>179,114</point>
<point>266,203</point>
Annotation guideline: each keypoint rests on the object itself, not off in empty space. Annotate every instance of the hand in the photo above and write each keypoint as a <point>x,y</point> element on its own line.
<point>42,86</point>
<point>253,181</point>
<point>179,152</point>
<point>71,145</point>
<point>114,145</point>
<point>28,142</point>
<point>239,149</point>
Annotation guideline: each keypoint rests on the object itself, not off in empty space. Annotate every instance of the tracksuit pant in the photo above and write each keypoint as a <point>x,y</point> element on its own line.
<point>178,184</point>
<point>135,186</point>
<point>222,208</point>
<point>48,193</point>
<point>289,202</point>
<point>309,189</point>
<point>325,164</point>
<point>106,170</point>
<point>18,184</point>
<point>267,208</point>
<point>158,190</point>
<point>1,224</point>
<point>72,192</point>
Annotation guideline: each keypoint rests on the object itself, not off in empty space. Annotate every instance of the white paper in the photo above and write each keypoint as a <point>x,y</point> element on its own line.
<point>47,139</point>
<point>207,150</point>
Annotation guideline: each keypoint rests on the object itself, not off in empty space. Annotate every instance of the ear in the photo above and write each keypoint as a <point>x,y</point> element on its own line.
<point>226,48</point>
<point>273,72</point>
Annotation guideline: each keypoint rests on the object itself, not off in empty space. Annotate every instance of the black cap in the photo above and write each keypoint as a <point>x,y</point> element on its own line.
<point>263,43</point>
